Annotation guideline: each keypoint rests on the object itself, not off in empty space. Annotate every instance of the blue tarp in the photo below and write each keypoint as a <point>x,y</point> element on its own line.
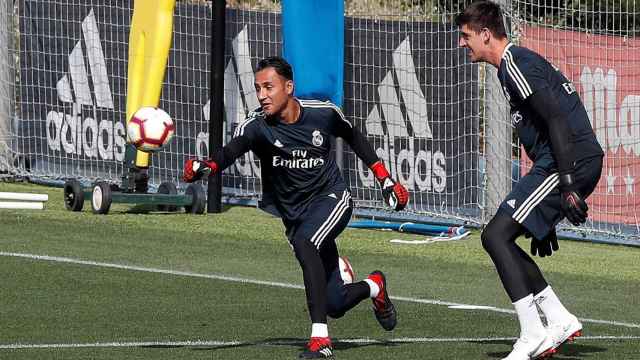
<point>409,227</point>
<point>313,43</point>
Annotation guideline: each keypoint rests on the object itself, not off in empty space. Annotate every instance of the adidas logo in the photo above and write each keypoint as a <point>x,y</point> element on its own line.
<point>77,133</point>
<point>239,100</point>
<point>512,203</point>
<point>389,120</point>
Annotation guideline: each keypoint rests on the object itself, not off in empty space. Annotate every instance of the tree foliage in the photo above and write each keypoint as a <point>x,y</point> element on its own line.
<point>615,17</point>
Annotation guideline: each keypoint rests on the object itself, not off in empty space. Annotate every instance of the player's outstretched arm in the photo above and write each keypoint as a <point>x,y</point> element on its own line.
<point>196,169</point>
<point>395,195</point>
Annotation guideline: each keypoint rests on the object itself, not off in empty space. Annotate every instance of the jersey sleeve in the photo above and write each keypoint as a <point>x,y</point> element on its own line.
<point>356,140</point>
<point>243,138</point>
<point>545,105</point>
<point>525,75</point>
<point>340,124</point>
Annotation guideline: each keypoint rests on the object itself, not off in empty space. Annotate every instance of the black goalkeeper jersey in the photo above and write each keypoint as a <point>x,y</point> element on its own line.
<point>297,161</point>
<point>523,72</point>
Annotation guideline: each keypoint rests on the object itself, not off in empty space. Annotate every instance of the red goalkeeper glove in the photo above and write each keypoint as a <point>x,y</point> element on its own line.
<point>195,169</point>
<point>395,195</point>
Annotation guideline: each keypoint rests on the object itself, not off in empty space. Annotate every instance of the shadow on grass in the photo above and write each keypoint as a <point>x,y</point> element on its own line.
<point>153,209</point>
<point>566,352</point>
<point>274,342</point>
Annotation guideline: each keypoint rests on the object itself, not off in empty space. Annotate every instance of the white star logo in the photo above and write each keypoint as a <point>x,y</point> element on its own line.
<point>629,180</point>
<point>611,180</point>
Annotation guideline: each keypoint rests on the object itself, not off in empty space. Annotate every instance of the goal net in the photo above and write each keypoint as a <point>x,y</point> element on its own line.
<point>440,123</point>
<point>596,45</point>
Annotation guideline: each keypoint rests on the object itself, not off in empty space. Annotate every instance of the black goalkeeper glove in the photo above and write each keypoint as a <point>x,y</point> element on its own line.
<point>573,206</point>
<point>546,246</point>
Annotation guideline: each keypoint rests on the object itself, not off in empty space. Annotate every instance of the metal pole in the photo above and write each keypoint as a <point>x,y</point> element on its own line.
<point>6,87</point>
<point>498,137</point>
<point>216,94</point>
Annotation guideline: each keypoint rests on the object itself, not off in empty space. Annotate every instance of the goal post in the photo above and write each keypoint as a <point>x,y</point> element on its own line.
<point>7,85</point>
<point>216,111</point>
<point>498,142</point>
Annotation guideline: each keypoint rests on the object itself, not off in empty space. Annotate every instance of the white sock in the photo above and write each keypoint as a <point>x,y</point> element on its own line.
<point>551,306</point>
<point>374,289</point>
<point>530,323</point>
<point>319,330</point>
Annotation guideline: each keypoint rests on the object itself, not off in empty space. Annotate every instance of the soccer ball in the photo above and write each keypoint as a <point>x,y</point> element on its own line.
<point>346,271</point>
<point>150,129</point>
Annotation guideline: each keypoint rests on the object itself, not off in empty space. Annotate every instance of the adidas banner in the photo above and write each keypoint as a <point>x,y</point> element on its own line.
<point>430,146</point>
<point>73,81</point>
<point>72,97</point>
<point>72,87</point>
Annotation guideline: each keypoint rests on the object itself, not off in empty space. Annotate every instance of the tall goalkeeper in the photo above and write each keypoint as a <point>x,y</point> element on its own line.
<point>554,130</point>
<point>302,184</point>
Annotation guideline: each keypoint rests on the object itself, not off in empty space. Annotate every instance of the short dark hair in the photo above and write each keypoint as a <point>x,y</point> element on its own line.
<point>483,14</point>
<point>280,65</point>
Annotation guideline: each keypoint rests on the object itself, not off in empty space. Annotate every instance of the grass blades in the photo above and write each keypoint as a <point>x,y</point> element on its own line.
<point>226,286</point>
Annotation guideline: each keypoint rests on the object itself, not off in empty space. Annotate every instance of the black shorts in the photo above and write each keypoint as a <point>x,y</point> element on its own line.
<point>535,200</point>
<point>323,220</point>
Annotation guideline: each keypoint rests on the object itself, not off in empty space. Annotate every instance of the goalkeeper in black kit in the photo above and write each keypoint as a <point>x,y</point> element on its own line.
<point>302,184</point>
<point>554,129</point>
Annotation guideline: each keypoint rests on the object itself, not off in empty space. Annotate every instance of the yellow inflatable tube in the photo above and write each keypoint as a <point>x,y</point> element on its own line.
<point>149,44</point>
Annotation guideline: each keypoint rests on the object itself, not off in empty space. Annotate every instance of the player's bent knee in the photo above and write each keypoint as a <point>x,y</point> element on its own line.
<point>486,239</point>
<point>492,236</point>
<point>500,231</point>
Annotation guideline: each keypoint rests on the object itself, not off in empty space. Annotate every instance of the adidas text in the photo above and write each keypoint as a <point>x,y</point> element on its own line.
<point>400,149</point>
<point>76,133</point>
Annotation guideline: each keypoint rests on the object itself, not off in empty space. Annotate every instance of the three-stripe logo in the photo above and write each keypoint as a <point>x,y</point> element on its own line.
<point>77,133</point>
<point>403,147</point>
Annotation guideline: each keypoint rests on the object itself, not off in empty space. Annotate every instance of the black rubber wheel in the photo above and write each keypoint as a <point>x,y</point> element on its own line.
<point>171,189</point>
<point>73,195</point>
<point>101,198</point>
<point>199,199</point>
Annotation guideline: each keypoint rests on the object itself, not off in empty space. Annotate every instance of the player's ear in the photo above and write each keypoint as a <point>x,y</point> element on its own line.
<point>485,34</point>
<point>289,87</point>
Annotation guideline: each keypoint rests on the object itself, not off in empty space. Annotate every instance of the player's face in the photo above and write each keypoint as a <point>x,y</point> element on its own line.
<point>273,91</point>
<point>475,42</point>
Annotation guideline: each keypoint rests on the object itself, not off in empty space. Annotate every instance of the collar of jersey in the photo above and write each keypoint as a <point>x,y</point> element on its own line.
<point>278,120</point>
<point>504,52</point>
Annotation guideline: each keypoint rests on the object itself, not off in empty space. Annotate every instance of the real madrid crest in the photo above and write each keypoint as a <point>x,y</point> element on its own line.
<point>317,138</point>
<point>516,117</point>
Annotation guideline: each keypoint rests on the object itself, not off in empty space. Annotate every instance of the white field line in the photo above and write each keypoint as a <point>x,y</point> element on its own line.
<point>272,283</point>
<point>213,343</point>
